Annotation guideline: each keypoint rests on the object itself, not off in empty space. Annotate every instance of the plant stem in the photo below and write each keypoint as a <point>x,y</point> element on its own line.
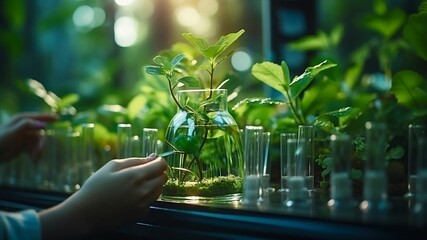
<point>211,78</point>
<point>293,109</point>
<point>173,94</point>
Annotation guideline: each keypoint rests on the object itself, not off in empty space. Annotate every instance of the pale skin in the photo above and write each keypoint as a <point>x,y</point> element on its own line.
<point>120,192</point>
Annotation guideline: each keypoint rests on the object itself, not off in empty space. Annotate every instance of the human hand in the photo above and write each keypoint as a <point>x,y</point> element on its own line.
<point>119,192</point>
<point>22,134</point>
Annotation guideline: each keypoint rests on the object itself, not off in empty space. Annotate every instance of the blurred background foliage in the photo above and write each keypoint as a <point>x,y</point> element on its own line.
<point>84,59</point>
<point>88,56</point>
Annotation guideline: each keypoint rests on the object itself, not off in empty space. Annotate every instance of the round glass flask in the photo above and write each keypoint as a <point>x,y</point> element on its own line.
<point>207,159</point>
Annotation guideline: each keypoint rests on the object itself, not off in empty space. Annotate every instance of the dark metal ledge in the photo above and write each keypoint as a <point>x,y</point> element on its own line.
<point>169,220</point>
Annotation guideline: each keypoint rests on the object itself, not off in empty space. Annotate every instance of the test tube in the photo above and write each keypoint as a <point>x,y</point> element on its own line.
<point>284,158</point>
<point>421,190</point>
<point>415,133</point>
<point>420,207</point>
<point>375,178</point>
<point>51,163</point>
<point>149,141</point>
<point>265,163</point>
<point>72,156</point>
<point>307,132</point>
<point>253,156</point>
<point>341,185</point>
<point>124,140</point>
<point>88,161</point>
<point>296,179</point>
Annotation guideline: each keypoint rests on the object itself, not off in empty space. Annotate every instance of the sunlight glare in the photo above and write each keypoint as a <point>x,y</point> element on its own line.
<point>125,31</point>
<point>124,2</point>
<point>188,16</point>
<point>208,7</point>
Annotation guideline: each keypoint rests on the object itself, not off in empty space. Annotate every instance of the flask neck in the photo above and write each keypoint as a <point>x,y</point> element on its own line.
<point>203,99</point>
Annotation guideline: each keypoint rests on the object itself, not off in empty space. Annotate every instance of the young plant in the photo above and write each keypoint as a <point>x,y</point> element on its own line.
<point>278,77</point>
<point>177,77</point>
<point>170,68</point>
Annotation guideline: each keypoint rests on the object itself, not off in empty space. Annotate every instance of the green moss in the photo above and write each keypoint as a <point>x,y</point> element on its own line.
<point>211,187</point>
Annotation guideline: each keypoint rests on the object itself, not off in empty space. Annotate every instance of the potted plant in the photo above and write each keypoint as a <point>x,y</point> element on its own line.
<point>202,143</point>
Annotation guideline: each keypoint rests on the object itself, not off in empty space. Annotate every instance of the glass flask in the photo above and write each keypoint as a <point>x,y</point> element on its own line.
<point>205,146</point>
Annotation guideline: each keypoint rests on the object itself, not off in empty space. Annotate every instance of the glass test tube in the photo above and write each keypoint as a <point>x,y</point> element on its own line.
<point>341,185</point>
<point>284,158</point>
<point>375,178</point>
<point>296,178</point>
<point>421,182</point>
<point>307,133</point>
<point>149,141</point>
<point>124,140</point>
<point>415,133</point>
<point>73,156</point>
<point>61,136</point>
<point>253,136</point>
<point>419,210</point>
<point>88,161</point>
<point>265,161</point>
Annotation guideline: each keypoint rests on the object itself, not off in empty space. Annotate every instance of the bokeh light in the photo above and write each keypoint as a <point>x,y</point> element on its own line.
<point>124,2</point>
<point>85,18</point>
<point>208,7</point>
<point>125,31</point>
<point>241,61</point>
<point>187,16</point>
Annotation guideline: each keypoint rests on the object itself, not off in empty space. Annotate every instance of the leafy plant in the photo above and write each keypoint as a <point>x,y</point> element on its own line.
<point>359,95</point>
<point>278,77</point>
<point>178,76</point>
<point>61,106</point>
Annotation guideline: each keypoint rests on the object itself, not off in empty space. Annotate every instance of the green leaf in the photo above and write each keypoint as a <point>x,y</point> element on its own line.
<point>135,105</point>
<point>164,62</point>
<point>423,7</point>
<point>37,88</point>
<point>198,42</point>
<point>299,83</point>
<point>337,34</point>
<point>286,75</point>
<point>177,59</point>
<point>68,100</point>
<point>415,32</point>
<point>387,24</point>
<point>272,75</point>
<point>410,89</point>
<point>213,51</point>
<point>190,81</point>
<point>318,96</point>
<point>311,42</point>
<point>341,112</point>
<point>165,154</point>
<point>395,153</point>
<point>154,70</point>
<point>380,7</point>
<point>257,102</point>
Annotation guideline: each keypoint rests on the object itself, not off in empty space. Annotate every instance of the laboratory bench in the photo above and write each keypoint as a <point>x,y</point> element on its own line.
<point>268,219</point>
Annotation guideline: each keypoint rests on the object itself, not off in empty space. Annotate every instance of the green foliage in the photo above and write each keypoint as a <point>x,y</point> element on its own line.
<point>410,89</point>
<point>415,33</point>
<point>61,106</point>
<point>180,74</point>
<point>277,77</point>
<point>222,185</point>
<point>212,52</point>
